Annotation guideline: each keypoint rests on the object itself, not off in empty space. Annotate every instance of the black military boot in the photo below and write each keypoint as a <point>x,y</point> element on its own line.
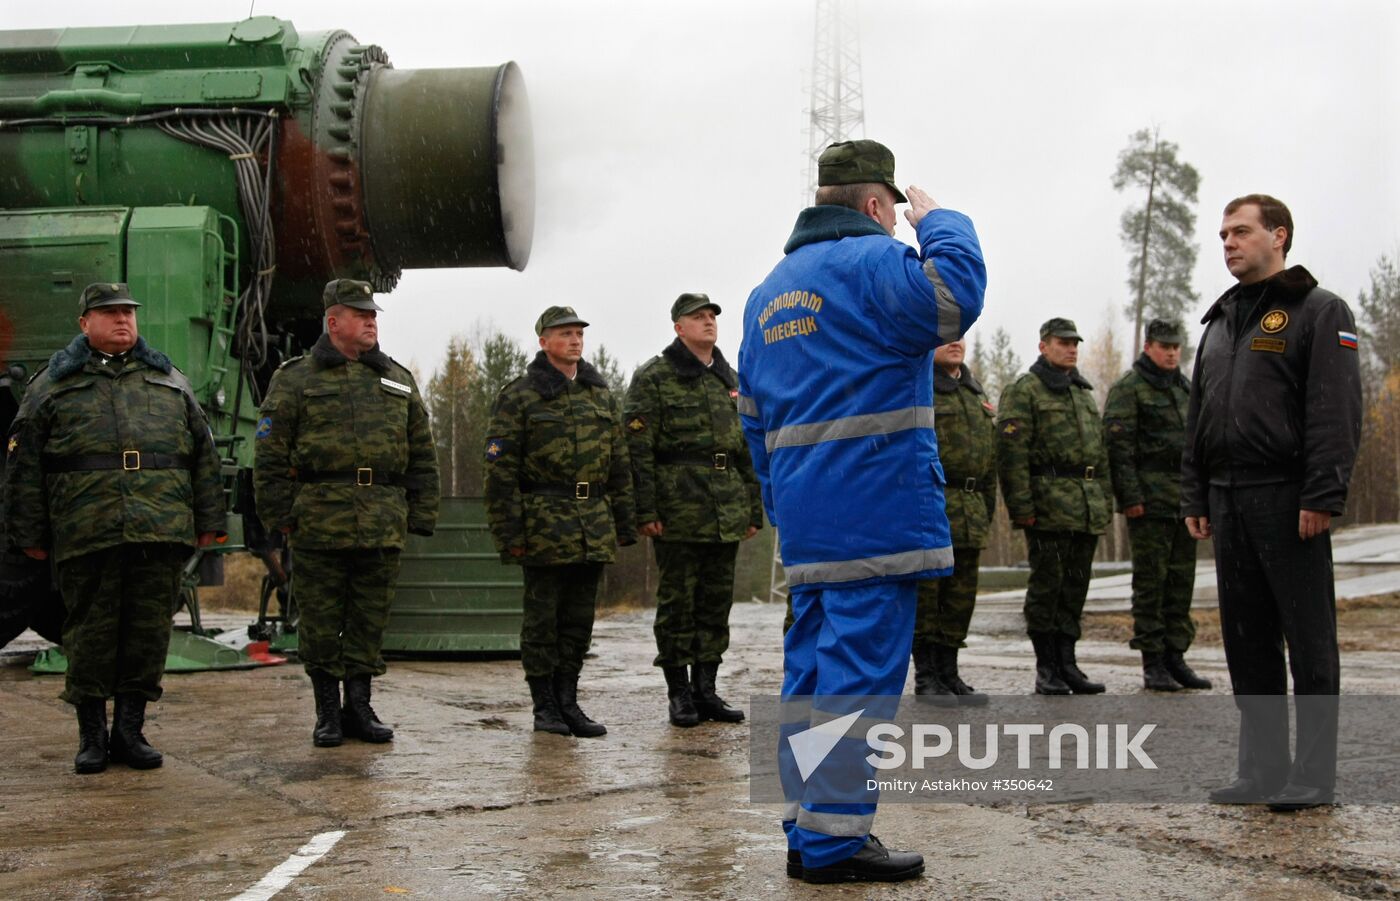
<point>547,715</point>
<point>872,863</point>
<point>945,664</point>
<point>709,705</point>
<point>1047,669</point>
<point>929,688</point>
<point>92,736</point>
<point>1154,673</point>
<point>357,718</point>
<point>128,745</point>
<point>566,690</point>
<point>1176,665</point>
<point>682,706</point>
<point>1070,672</point>
<point>327,733</point>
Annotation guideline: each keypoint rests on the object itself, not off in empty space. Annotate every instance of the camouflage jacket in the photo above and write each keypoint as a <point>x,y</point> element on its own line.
<point>963,419</point>
<point>1050,451</point>
<point>108,419</point>
<point>1144,425</point>
<point>558,481</point>
<point>361,421</point>
<point>680,416</point>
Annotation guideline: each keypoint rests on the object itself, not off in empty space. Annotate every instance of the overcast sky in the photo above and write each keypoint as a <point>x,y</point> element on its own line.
<point>670,140</point>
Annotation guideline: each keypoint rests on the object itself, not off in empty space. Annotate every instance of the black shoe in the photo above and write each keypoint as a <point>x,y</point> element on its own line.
<point>680,705</point>
<point>794,864</point>
<point>945,664</point>
<point>709,705</point>
<point>1242,791</point>
<point>1047,671</point>
<point>92,736</point>
<point>928,687</point>
<point>1154,673</point>
<point>325,688</point>
<point>872,863</point>
<point>1175,663</point>
<point>357,718</point>
<point>566,690</point>
<point>128,745</point>
<point>1070,672</point>
<point>1298,797</point>
<point>547,715</point>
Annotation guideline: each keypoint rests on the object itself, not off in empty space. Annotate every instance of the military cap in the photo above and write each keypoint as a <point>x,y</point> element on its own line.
<point>858,163</point>
<point>1060,327</point>
<point>1164,331</point>
<point>557,316</point>
<point>349,292</point>
<point>104,294</point>
<point>689,303</point>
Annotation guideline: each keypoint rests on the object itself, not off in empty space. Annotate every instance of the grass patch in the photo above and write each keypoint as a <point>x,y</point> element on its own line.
<point>243,575</point>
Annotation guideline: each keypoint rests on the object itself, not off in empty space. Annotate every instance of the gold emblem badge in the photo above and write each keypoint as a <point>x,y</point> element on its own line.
<point>14,443</point>
<point>637,424</point>
<point>1274,321</point>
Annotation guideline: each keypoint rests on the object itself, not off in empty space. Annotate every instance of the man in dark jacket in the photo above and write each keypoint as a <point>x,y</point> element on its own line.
<point>1272,434</point>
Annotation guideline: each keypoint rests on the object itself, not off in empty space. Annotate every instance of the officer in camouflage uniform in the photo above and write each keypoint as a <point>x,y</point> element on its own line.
<point>1145,429</point>
<point>345,465</point>
<point>1054,467</point>
<point>559,499</point>
<point>963,421</point>
<point>112,474</point>
<point>697,498</point>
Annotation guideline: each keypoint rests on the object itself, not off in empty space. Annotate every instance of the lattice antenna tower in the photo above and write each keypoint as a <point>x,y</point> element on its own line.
<point>837,111</point>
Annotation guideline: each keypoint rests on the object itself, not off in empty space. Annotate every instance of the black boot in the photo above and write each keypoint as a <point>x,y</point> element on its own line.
<point>945,664</point>
<point>1175,663</point>
<point>709,705</point>
<point>923,670</point>
<point>872,863</point>
<point>547,716</point>
<point>1070,672</point>
<point>1154,674</point>
<point>566,690</point>
<point>325,688</point>
<point>929,686</point>
<point>92,736</point>
<point>682,706</point>
<point>357,718</point>
<point>1047,669</point>
<point>128,745</point>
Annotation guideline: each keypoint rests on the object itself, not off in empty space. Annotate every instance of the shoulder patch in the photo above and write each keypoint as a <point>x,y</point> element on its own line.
<point>264,428</point>
<point>637,424</point>
<point>1347,339</point>
<point>1011,427</point>
<point>13,445</point>
<point>495,447</point>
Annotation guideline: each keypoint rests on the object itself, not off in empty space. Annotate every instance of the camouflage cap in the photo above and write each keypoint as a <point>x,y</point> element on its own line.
<point>557,316</point>
<point>1164,331</point>
<point>860,162</point>
<point>104,294</point>
<point>349,292</point>
<point>1060,327</point>
<point>689,303</point>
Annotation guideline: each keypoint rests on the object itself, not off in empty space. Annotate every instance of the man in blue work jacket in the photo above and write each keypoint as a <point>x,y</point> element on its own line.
<point>836,401</point>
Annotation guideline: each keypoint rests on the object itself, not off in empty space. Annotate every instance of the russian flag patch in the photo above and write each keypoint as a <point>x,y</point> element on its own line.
<point>1346,339</point>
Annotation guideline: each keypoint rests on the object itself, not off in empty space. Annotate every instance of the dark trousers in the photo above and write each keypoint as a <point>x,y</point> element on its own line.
<point>1164,578</point>
<point>344,598</point>
<point>1061,564</point>
<point>945,605</point>
<point>120,601</point>
<point>693,598</point>
<point>557,626</point>
<point>1274,589</point>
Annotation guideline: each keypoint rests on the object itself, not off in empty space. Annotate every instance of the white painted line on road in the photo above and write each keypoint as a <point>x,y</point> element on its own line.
<point>289,869</point>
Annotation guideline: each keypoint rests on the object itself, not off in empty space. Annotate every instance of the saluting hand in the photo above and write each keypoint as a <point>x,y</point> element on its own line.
<point>920,205</point>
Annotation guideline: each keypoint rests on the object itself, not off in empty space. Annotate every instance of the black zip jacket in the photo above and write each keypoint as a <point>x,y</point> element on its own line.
<point>1276,394</point>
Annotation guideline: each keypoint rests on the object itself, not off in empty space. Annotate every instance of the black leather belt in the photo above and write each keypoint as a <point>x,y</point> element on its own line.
<point>1065,472</point>
<point>717,460</point>
<point>581,491</point>
<point>362,477</point>
<point>130,461</point>
<point>966,484</point>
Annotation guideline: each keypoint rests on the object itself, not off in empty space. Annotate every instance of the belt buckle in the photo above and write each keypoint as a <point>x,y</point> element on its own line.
<point>131,460</point>
<point>364,477</point>
<point>581,491</point>
<point>969,484</point>
<point>1088,473</point>
<point>721,461</point>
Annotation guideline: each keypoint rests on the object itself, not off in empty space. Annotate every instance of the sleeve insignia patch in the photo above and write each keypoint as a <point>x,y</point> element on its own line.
<point>264,427</point>
<point>494,448</point>
<point>13,445</point>
<point>1010,428</point>
<point>1274,321</point>
<point>636,424</point>
<point>1116,427</point>
<point>1346,339</point>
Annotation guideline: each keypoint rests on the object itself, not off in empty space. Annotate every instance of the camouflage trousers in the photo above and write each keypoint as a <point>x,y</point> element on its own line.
<point>945,605</point>
<point>343,598</point>
<point>693,598</point>
<point>1164,575</point>
<point>1061,564</point>
<point>557,626</point>
<point>120,602</point>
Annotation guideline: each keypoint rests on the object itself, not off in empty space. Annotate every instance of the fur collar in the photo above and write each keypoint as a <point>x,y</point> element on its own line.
<point>76,355</point>
<point>1289,286</point>
<point>944,383</point>
<point>550,382</point>
<point>1057,379</point>
<point>326,356</point>
<point>830,223</point>
<point>1157,377</point>
<point>688,366</point>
